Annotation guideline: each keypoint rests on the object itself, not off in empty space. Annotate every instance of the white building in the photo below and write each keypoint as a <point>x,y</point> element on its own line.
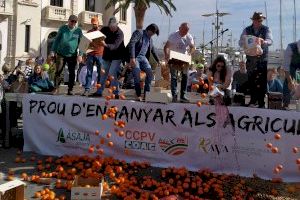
<point>28,27</point>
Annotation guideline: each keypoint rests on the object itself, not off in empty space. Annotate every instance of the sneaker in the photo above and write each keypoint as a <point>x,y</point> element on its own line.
<point>184,100</point>
<point>55,91</point>
<point>70,92</point>
<point>96,95</point>
<point>139,99</point>
<point>174,99</point>
<point>86,93</point>
<point>252,105</point>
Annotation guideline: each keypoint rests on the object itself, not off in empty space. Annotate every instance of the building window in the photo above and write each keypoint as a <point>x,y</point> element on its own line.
<point>123,15</point>
<point>90,5</point>
<point>27,38</point>
<point>59,3</point>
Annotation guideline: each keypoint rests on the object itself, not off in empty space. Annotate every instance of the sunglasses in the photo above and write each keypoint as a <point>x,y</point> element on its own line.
<point>73,21</point>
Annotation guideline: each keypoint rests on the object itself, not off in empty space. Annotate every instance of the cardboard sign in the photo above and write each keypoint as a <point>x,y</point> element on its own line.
<point>85,42</point>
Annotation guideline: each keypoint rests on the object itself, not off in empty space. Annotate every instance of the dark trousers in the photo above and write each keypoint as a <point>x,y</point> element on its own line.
<point>174,78</point>
<point>61,61</point>
<point>257,72</point>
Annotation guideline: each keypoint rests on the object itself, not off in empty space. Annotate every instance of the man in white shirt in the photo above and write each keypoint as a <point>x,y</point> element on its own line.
<point>180,41</point>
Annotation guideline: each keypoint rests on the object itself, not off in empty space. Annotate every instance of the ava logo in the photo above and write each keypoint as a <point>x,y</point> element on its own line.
<point>207,146</point>
<point>73,137</point>
<point>174,146</point>
<point>61,136</point>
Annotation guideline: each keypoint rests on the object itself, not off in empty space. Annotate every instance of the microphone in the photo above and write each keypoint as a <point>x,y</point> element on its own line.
<point>224,31</point>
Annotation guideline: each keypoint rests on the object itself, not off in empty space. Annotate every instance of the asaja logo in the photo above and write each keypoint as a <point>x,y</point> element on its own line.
<point>74,137</point>
<point>61,136</point>
<point>173,146</point>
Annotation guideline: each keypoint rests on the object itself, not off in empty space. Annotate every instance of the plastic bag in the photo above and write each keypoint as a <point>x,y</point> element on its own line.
<point>252,46</point>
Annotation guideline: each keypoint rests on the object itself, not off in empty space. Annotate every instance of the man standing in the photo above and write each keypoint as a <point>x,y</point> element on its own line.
<point>292,60</point>
<point>257,65</point>
<point>93,57</point>
<point>240,79</point>
<point>140,46</point>
<point>180,41</point>
<point>65,47</point>
<point>113,54</point>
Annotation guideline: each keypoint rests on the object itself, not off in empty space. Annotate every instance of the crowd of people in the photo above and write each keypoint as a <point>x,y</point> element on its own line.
<point>112,64</point>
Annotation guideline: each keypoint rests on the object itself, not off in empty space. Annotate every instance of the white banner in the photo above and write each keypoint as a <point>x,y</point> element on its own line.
<point>167,134</point>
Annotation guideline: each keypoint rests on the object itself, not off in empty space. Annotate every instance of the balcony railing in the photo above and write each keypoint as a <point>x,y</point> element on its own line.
<point>57,13</point>
<point>86,17</point>
<point>6,7</point>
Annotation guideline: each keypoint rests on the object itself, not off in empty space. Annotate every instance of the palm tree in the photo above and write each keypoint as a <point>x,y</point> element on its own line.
<point>140,7</point>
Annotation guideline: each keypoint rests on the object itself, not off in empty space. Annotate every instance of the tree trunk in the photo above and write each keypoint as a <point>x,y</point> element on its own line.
<point>139,12</point>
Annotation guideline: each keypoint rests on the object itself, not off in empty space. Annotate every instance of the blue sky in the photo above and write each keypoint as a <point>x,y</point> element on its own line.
<point>240,10</point>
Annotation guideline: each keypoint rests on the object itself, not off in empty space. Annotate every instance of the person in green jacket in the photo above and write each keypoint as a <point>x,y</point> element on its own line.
<point>65,48</point>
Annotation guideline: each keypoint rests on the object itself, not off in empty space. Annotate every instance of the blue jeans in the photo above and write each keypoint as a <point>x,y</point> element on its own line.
<point>142,63</point>
<point>91,59</point>
<point>183,86</point>
<point>111,68</point>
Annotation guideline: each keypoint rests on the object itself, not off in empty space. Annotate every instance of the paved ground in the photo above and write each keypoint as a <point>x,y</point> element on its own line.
<point>7,162</point>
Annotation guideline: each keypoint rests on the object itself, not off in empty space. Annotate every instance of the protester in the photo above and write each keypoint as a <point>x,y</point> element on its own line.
<point>66,48</point>
<point>274,85</point>
<point>113,54</point>
<point>292,60</point>
<point>4,78</point>
<point>287,84</point>
<point>27,69</point>
<point>128,80</point>
<point>219,76</point>
<point>257,65</point>
<point>195,76</point>
<point>94,57</point>
<point>180,41</point>
<point>240,79</point>
<point>140,46</point>
<point>39,81</point>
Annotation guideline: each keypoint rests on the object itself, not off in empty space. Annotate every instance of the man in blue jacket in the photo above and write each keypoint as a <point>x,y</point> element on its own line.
<point>140,46</point>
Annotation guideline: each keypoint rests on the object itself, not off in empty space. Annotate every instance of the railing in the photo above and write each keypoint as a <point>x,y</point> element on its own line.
<point>57,13</point>
<point>86,17</point>
<point>6,7</point>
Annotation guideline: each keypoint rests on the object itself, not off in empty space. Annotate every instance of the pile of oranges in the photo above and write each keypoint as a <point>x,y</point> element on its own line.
<point>133,181</point>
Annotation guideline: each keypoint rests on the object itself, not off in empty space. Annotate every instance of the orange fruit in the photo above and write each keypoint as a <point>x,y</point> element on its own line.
<point>121,133</point>
<point>96,132</point>
<point>277,136</point>
<point>104,116</point>
<point>108,135</point>
<point>199,104</point>
<point>37,195</point>
<point>98,85</point>
<point>275,150</point>
<point>122,97</point>
<point>269,145</point>
<point>295,150</point>
<point>110,144</point>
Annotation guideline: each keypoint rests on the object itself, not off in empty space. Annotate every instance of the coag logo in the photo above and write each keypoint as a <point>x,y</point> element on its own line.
<point>74,137</point>
<point>173,146</point>
<point>207,146</point>
<point>140,140</point>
